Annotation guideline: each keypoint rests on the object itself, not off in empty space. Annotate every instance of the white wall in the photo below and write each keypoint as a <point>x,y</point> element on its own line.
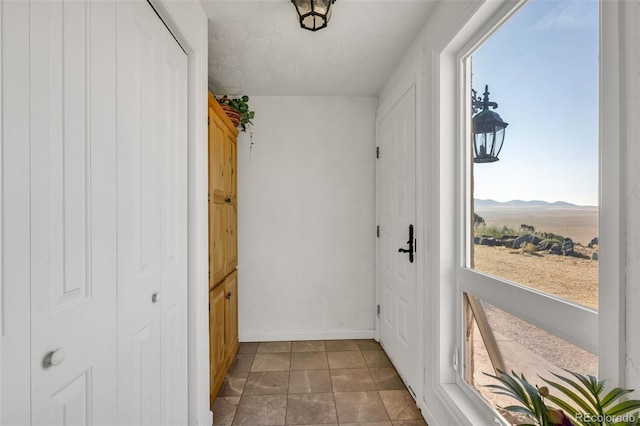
<point>306,208</point>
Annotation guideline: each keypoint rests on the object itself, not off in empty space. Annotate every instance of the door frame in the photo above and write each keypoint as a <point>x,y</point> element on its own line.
<point>415,77</point>
<point>187,22</point>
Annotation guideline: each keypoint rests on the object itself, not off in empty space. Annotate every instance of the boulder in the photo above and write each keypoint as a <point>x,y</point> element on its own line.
<point>594,255</point>
<point>476,240</point>
<point>544,246</point>
<point>567,247</point>
<point>556,248</point>
<point>532,239</point>
<point>487,241</point>
<point>593,242</point>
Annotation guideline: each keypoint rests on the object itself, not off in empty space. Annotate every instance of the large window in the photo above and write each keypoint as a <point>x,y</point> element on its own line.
<point>529,277</point>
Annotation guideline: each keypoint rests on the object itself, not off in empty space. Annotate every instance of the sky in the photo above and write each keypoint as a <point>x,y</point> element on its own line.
<point>542,70</point>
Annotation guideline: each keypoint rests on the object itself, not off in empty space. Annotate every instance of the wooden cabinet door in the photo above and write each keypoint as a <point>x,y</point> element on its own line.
<point>231,238</point>
<point>217,241</point>
<point>230,164</point>
<point>217,354</point>
<point>231,314</point>
<point>217,157</point>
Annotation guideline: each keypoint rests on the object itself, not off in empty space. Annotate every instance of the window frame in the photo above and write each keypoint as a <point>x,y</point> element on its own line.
<point>452,100</point>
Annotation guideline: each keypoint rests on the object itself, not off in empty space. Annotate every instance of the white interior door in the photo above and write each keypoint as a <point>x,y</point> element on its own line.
<point>72,205</point>
<point>396,270</point>
<point>152,220</point>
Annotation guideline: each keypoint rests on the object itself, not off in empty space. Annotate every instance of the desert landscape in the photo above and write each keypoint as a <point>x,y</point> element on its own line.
<point>524,347</point>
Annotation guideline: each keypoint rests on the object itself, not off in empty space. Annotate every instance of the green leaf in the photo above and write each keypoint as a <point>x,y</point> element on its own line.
<point>623,408</point>
<point>613,395</point>
<point>573,396</point>
<point>587,396</point>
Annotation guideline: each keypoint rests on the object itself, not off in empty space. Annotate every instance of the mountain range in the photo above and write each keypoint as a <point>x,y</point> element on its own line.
<point>521,203</point>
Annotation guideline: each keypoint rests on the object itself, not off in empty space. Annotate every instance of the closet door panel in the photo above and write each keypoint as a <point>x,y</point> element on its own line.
<point>139,36</point>
<point>73,291</point>
<point>173,231</point>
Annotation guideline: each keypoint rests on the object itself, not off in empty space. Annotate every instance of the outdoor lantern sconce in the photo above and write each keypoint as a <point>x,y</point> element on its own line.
<point>488,128</point>
<point>314,15</point>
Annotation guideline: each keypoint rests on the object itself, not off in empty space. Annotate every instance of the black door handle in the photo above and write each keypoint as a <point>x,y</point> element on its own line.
<point>410,242</point>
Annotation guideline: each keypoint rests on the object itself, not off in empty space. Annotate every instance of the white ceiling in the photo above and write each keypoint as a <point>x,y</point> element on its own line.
<point>258,48</point>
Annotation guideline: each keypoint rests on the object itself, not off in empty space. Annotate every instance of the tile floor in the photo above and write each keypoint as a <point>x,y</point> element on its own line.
<point>328,383</point>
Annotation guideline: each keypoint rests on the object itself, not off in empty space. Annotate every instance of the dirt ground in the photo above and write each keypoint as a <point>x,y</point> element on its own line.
<point>570,278</point>
<point>524,347</point>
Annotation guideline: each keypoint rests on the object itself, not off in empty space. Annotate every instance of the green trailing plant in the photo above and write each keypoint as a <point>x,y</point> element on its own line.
<point>240,105</point>
<point>581,400</point>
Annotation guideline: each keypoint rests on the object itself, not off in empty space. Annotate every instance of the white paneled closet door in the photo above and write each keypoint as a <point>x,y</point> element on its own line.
<point>72,213</point>
<point>152,220</point>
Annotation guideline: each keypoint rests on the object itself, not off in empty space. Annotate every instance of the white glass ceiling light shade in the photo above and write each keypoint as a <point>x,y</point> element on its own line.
<point>313,14</point>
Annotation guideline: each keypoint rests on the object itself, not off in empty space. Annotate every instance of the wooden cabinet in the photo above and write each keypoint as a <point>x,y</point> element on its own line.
<point>231,314</point>
<point>223,245</point>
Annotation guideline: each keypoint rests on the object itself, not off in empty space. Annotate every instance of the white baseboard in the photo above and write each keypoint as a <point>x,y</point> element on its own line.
<point>210,419</point>
<point>319,335</point>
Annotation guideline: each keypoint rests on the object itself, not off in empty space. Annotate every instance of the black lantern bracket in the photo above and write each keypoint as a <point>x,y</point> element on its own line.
<point>481,103</point>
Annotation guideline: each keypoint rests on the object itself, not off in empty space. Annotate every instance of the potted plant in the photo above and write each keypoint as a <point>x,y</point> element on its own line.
<point>581,401</point>
<point>238,110</point>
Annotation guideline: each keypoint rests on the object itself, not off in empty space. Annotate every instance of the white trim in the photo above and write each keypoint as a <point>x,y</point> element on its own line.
<point>612,276</point>
<point>321,335</point>
<point>569,321</point>
<point>188,23</point>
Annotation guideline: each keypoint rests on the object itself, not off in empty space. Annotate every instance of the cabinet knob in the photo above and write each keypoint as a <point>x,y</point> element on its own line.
<point>229,295</point>
<point>227,200</point>
<point>54,358</point>
<point>155,298</point>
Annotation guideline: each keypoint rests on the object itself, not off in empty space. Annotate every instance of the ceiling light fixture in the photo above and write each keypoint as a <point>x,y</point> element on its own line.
<point>314,15</point>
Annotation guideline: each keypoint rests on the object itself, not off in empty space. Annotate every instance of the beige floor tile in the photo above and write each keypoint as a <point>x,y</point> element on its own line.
<point>248,348</point>
<point>308,346</point>
<point>309,381</point>
<point>309,361</point>
<point>346,359</point>
<point>358,407</point>
<point>400,405</point>
<point>341,345</point>
<point>367,424</point>
<point>376,359</point>
<point>387,379</point>
<point>410,423</point>
<point>369,345</point>
<point>267,383</point>
<point>274,347</point>
<point>233,384</point>
<point>271,362</point>
<point>263,410</point>
<point>224,409</point>
<point>311,408</point>
<point>242,363</point>
<point>352,379</point>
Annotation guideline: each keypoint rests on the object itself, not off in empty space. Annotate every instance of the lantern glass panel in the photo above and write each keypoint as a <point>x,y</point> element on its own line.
<point>499,139</point>
<point>309,21</point>
<point>303,6</point>
<point>321,6</point>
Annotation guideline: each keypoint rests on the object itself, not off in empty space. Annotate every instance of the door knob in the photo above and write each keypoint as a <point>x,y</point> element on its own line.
<point>155,298</point>
<point>54,358</point>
